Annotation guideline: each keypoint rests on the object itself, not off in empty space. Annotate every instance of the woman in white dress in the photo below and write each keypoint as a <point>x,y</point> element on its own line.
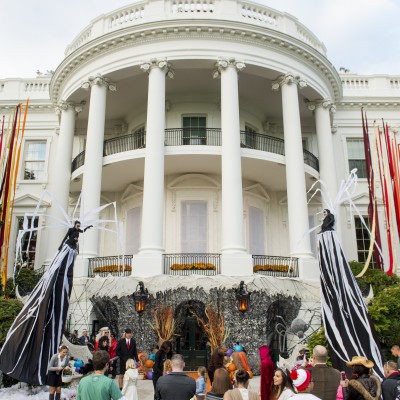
<point>129,389</point>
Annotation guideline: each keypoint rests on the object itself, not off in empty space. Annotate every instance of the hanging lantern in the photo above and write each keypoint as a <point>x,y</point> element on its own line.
<point>141,295</point>
<point>243,297</point>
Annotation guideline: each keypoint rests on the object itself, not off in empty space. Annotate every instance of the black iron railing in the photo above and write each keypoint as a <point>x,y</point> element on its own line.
<point>258,141</point>
<point>311,160</point>
<point>120,144</point>
<point>78,161</point>
<point>192,263</point>
<point>276,266</point>
<point>192,137</point>
<point>110,265</point>
<point>196,137</point>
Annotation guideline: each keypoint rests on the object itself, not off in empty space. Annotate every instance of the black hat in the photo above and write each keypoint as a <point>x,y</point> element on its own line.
<point>128,330</point>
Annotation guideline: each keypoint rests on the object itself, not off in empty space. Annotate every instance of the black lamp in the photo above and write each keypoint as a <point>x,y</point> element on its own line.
<point>243,297</point>
<point>141,295</point>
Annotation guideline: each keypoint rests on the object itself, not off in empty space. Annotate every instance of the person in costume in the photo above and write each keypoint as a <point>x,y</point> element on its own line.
<point>36,333</point>
<point>266,372</point>
<point>344,313</point>
<point>328,222</point>
<point>58,363</point>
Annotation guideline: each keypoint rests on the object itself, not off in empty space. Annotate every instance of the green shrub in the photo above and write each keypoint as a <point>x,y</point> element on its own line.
<point>379,280</point>
<point>9,309</point>
<point>319,338</point>
<point>384,311</point>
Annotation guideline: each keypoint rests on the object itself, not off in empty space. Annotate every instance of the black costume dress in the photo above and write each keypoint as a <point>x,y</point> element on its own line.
<point>345,316</point>
<point>36,333</point>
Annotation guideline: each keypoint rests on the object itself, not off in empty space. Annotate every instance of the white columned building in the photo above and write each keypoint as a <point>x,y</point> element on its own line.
<point>61,172</point>
<point>295,173</point>
<point>234,260</point>
<point>149,260</point>
<point>91,185</point>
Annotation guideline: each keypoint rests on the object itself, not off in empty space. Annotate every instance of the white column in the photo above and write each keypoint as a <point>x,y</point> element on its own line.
<point>61,172</point>
<point>235,260</point>
<point>149,260</point>
<point>327,170</point>
<point>295,174</point>
<point>91,186</point>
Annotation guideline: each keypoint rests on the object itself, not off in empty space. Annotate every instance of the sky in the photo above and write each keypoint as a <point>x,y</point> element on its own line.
<point>361,35</point>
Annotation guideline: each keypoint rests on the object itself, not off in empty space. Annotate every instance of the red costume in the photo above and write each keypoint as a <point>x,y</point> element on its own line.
<point>266,371</point>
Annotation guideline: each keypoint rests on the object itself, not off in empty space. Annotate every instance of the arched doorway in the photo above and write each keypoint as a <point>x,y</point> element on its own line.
<point>191,341</point>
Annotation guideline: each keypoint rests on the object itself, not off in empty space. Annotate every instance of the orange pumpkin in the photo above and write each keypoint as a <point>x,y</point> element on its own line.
<point>149,364</point>
<point>231,367</point>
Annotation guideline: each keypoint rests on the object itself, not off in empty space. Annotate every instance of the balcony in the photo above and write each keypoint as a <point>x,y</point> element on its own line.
<point>185,264</point>
<point>110,265</point>
<point>195,137</point>
<point>277,266</point>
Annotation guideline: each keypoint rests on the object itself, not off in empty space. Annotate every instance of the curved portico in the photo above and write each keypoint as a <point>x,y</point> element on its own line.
<point>234,103</point>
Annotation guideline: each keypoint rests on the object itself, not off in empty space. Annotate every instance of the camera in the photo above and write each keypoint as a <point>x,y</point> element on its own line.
<point>307,354</point>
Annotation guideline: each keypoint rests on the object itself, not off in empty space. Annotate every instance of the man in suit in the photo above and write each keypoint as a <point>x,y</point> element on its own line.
<point>126,349</point>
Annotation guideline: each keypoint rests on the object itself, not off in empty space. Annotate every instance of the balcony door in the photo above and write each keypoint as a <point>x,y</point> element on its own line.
<point>194,130</point>
<point>194,227</point>
<point>256,231</point>
<point>133,228</point>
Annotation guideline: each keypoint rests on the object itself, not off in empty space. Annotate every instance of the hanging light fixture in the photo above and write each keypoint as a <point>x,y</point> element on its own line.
<point>141,295</point>
<point>243,297</point>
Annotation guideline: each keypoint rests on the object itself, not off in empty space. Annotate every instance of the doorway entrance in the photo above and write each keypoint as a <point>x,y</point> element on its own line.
<point>191,342</point>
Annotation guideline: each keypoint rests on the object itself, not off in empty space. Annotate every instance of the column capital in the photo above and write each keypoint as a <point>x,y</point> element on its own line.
<point>164,65</point>
<point>223,63</point>
<point>326,104</point>
<point>69,105</point>
<point>99,80</point>
<point>288,79</point>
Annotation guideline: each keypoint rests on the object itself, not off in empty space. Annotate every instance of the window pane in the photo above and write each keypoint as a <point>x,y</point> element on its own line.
<point>363,239</point>
<point>28,242</point>
<point>34,160</point>
<point>356,156</point>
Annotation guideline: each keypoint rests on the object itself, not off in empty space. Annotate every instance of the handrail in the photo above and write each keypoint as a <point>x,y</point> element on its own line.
<point>196,137</point>
<point>276,266</point>
<point>191,263</point>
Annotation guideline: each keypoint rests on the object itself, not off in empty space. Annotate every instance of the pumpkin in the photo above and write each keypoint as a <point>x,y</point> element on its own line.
<point>149,364</point>
<point>231,367</point>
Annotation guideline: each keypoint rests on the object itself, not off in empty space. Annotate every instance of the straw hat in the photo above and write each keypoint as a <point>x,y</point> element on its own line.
<point>360,360</point>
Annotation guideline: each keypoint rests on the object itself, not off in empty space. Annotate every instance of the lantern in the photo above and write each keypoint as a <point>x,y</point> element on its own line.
<point>243,297</point>
<point>140,296</point>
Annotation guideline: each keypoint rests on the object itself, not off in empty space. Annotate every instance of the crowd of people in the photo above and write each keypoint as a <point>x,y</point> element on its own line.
<point>226,377</point>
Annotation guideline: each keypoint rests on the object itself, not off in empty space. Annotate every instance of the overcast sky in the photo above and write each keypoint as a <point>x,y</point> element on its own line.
<point>361,35</point>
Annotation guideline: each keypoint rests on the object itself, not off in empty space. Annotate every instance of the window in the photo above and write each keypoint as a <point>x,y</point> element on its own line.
<point>194,130</point>
<point>28,242</point>
<point>363,238</point>
<point>194,227</point>
<point>356,156</point>
<point>133,228</point>
<point>34,160</point>
<point>256,231</point>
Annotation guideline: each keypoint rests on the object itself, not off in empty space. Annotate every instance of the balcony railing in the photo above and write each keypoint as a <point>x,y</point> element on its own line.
<point>276,266</point>
<point>196,137</point>
<point>110,265</point>
<point>192,263</point>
